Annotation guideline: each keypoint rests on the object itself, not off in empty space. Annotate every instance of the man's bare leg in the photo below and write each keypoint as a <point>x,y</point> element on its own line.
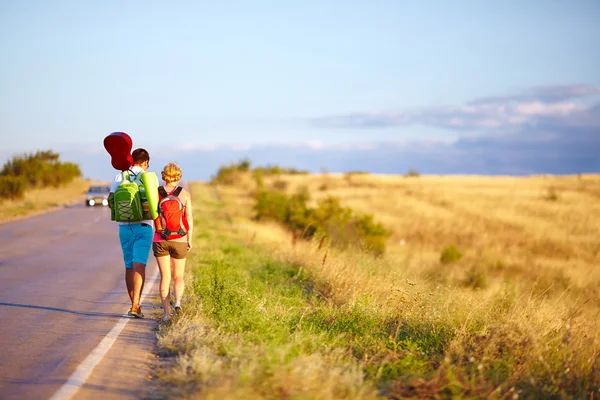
<point>129,283</point>
<point>139,276</point>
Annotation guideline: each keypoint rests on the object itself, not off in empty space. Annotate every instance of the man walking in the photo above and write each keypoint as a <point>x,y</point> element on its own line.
<point>135,238</point>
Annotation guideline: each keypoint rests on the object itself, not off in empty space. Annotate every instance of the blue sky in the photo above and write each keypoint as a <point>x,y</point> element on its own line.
<point>337,80</point>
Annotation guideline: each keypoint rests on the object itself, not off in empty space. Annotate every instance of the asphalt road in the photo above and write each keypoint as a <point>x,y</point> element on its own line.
<point>62,290</point>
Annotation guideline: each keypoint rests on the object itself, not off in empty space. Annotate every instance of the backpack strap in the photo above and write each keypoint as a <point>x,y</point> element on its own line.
<point>163,193</point>
<point>177,190</point>
<point>127,175</point>
<point>165,231</point>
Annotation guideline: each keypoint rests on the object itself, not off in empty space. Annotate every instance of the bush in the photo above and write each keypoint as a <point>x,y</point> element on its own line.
<point>349,174</point>
<point>12,187</point>
<point>40,169</point>
<point>229,174</point>
<point>271,205</point>
<point>280,185</point>
<point>341,225</point>
<point>476,278</point>
<point>244,165</point>
<point>551,194</point>
<point>277,170</point>
<point>413,173</point>
<point>450,254</point>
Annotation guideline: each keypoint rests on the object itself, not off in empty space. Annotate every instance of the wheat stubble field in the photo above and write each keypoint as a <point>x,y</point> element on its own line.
<point>488,288</point>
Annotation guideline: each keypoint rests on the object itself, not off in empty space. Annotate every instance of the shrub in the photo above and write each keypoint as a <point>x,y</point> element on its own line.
<point>41,169</point>
<point>373,235</point>
<point>12,187</point>
<point>341,225</point>
<point>280,185</point>
<point>300,217</point>
<point>336,222</point>
<point>229,174</point>
<point>271,205</point>
<point>551,194</point>
<point>277,170</point>
<point>450,254</point>
<point>244,165</point>
<point>476,278</point>
<point>412,172</point>
<point>349,174</point>
<point>294,171</point>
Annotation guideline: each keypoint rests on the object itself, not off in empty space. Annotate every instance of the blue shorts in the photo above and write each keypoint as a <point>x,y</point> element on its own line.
<point>136,241</point>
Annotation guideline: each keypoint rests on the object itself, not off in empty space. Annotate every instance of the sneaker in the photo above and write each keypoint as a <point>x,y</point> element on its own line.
<point>178,310</point>
<point>136,311</point>
<point>165,321</point>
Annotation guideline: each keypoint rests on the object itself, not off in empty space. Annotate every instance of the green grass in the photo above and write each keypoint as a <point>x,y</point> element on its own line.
<point>270,316</point>
<point>271,306</point>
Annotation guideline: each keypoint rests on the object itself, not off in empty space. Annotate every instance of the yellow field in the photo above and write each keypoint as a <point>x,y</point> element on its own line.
<point>529,278</point>
<point>40,200</point>
<point>538,230</point>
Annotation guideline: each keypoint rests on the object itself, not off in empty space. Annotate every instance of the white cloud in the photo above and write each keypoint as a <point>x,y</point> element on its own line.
<point>556,105</point>
<point>315,144</point>
<point>552,109</point>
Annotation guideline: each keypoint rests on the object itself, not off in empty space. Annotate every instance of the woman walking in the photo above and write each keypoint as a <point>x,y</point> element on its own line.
<point>173,238</point>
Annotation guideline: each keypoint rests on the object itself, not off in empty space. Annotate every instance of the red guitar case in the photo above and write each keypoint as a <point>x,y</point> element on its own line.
<point>118,145</point>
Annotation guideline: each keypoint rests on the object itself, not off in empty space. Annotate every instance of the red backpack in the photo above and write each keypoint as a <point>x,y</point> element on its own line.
<point>172,214</point>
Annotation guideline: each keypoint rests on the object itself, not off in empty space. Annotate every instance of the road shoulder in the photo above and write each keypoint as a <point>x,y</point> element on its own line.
<point>125,371</point>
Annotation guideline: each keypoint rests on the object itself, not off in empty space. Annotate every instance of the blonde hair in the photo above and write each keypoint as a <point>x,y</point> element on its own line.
<point>171,173</point>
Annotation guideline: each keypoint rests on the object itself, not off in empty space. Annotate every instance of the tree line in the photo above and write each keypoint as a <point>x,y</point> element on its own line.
<point>35,170</point>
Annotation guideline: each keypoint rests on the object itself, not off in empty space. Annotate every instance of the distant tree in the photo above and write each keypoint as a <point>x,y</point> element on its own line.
<point>244,165</point>
<point>41,169</point>
<point>413,172</point>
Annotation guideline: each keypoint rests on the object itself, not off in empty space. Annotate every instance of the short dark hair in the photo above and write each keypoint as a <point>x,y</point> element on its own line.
<point>139,156</point>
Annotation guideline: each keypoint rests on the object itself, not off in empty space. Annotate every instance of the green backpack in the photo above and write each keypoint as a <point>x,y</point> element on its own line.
<point>126,201</point>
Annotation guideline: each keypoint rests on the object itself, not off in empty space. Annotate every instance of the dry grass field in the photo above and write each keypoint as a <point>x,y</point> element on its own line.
<point>488,288</point>
<point>540,233</point>
<point>44,199</point>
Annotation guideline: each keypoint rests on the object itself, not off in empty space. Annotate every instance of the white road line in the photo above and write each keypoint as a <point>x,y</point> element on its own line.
<point>84,370</point>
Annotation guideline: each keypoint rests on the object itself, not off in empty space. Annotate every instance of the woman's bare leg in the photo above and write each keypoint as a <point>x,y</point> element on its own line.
<point>178,273</point>
<point>164,266</point>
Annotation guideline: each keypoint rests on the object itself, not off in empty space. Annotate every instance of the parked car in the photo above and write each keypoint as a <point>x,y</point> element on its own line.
<point>97,195</point>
